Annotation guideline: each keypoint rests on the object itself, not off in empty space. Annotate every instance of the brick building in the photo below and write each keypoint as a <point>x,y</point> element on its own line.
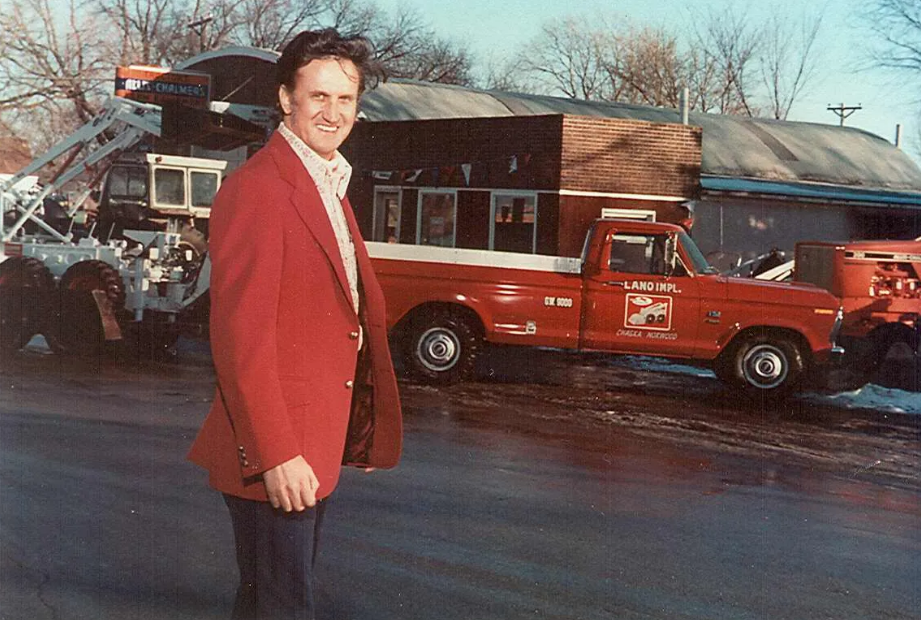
<point>524,184</point>
<point>486,169</point>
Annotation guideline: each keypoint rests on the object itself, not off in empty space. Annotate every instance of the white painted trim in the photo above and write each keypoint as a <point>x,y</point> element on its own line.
<point>574,192</point>
<point>613,213</point>
<point>560,192</point>
<point>474,258</point>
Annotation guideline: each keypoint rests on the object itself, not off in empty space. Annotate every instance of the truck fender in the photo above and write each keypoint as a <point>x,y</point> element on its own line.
<point>472,308</point>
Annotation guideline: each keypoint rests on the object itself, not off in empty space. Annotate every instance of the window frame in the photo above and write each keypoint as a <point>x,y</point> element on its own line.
<point>422,192</point>
<point>386,189</point>
<point>493,195</point>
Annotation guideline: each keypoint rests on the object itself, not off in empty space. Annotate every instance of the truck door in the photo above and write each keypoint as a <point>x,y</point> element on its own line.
<point>636,302</point>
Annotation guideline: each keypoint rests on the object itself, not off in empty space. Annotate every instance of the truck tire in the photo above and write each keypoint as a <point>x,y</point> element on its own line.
<point>893,358</point>
<point>77,326</point>
<point>766,365</point>
<point>441,349</point>
<point>25,284</point>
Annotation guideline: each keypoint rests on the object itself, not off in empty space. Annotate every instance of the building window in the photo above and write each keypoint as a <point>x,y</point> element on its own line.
<point>437,217</point>
<point>386,215</point>
<point>513,223</point>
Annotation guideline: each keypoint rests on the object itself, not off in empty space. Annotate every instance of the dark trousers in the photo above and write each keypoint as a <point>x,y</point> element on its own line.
<point>276,553</point>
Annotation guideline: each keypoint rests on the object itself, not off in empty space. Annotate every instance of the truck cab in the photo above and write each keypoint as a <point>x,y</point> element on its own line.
<point>648,289</point>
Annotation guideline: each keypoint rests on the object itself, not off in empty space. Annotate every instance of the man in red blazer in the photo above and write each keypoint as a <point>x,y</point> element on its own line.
<point>298,332</point>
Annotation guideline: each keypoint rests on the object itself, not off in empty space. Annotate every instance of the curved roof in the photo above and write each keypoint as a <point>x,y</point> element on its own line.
<point>733,146</point>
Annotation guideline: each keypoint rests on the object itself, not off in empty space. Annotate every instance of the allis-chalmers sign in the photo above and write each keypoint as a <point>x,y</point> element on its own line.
<point>161,86</point>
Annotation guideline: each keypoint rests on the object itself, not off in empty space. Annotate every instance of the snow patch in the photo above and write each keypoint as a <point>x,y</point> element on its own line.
<point>873,397</point>
<point>658,364</point>
<point>870,396</point>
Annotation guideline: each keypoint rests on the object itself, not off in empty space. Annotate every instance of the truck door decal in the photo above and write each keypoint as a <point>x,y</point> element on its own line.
<point>648,312</point>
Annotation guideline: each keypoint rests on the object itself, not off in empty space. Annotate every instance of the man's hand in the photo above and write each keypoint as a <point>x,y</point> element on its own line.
<point>292,485</point>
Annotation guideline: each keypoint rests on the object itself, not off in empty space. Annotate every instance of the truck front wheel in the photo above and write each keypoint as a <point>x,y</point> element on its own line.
<point>441,349</point>
<point>763,365</point>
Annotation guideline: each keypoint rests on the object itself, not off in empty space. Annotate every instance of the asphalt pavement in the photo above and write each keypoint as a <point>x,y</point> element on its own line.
<point>494,512</point>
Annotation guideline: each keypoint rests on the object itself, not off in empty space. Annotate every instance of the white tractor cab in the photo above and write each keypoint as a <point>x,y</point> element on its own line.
<point>153,192</point>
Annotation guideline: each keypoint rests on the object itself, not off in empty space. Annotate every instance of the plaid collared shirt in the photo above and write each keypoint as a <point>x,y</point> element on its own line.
<point>332,179</point>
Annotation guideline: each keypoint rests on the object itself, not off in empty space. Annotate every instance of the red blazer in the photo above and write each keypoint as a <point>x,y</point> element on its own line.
<point>284,336</point>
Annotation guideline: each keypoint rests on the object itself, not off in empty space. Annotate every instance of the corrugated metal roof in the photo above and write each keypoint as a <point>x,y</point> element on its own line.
<point>732,146</point>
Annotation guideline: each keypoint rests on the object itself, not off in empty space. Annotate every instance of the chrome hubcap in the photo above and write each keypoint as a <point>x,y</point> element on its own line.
<point>765,366</point>
<point>438,349</point>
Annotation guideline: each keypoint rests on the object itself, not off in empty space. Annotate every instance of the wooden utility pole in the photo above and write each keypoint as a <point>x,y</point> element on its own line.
<point>199,27</point>
<point>843,111</point>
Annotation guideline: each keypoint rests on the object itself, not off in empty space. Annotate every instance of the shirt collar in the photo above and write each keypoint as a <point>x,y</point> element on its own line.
<point>335,172</point>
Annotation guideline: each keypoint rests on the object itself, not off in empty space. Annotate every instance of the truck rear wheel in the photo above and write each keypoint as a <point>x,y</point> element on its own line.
<point>763,365</point>
<point>77,328</point>
<point>24,286</point>
<point>442,348</point>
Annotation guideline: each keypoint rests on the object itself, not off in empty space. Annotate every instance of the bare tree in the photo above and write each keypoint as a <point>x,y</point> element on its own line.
<point>565,57</point>
<point>730,45</point>
<point>504,73</point>
<point>53,64</point>
<point>270,24</point>
<point>646,67</point>
<point>897,25</point>
<point>57,69</point>
<point>787,60</point>
<point>728,64</point>
<point>145,30</point>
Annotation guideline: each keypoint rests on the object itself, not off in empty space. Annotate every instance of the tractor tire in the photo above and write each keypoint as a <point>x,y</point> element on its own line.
<point>764,365</point>
<point>442,348</point>
<point>77,326</point>
<point>25,288</point>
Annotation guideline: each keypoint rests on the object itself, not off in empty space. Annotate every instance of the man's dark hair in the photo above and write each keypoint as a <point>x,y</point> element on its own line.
<point>327,43</point>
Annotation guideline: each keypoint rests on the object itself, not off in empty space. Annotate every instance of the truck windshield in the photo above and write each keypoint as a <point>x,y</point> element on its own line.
<point>697,258</point>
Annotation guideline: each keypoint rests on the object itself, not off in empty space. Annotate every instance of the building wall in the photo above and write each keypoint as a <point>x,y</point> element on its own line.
<point>630,157</point>
<point>728,227</point>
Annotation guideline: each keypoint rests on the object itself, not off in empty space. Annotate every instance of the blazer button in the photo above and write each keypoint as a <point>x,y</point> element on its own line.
<point>349,384</point>
<point>353,335</point>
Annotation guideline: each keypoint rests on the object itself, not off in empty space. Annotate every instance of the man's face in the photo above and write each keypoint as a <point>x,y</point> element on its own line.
<point>321,109</point>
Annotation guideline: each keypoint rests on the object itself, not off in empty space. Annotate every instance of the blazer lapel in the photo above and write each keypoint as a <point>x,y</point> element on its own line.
<point>309,206</point>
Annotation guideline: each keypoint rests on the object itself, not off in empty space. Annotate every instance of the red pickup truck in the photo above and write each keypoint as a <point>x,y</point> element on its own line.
<point>640,288</point>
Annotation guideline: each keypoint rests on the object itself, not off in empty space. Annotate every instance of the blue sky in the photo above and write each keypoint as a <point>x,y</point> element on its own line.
<point>494,27</point>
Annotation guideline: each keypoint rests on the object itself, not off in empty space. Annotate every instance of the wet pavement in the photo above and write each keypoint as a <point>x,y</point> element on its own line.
<point>555,486</point>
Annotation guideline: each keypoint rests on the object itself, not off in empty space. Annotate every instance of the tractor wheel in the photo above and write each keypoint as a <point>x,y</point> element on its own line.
<point>441,348</point>
<point>77,327</point>
<point>25,286</point>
